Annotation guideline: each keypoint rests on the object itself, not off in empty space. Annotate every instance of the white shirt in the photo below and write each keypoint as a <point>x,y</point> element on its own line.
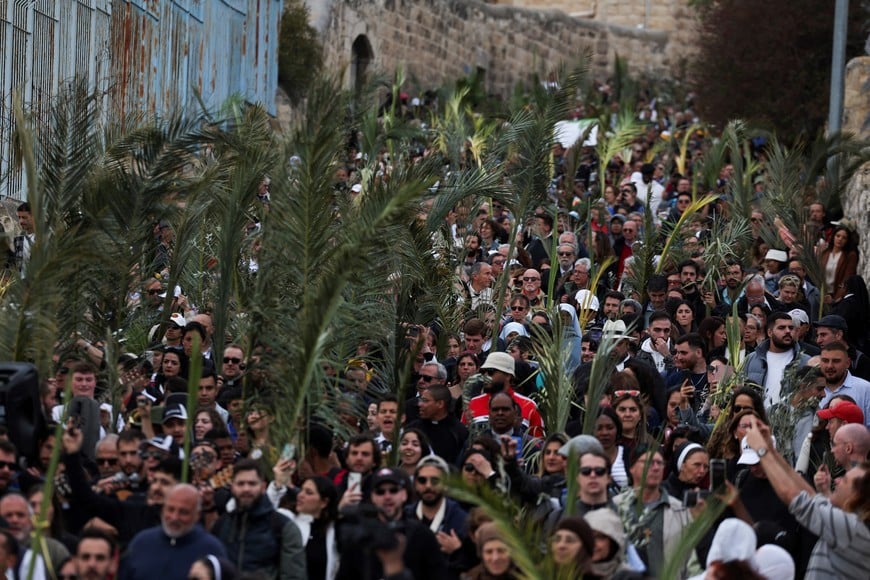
<point>776,363</point>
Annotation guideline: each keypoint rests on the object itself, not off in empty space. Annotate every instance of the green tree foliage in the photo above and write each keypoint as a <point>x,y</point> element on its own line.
<point>769,62</point>
<point>300,53</point>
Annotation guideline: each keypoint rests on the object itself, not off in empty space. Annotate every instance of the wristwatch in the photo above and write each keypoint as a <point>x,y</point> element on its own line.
<point>761,452</point>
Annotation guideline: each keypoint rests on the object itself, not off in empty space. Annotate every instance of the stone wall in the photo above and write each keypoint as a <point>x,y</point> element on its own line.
<point>438,40</point>
<point>856,119</point>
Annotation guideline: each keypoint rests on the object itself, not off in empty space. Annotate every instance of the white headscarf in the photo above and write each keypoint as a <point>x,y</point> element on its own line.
<point>774,562</point>
<point>512,327</point>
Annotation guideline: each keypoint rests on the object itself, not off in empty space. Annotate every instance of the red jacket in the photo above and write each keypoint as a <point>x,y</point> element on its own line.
<point>478,407</point>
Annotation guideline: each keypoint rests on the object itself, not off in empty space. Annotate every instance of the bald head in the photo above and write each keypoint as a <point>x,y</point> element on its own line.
<point>181,510</point>
<point>856,439</point>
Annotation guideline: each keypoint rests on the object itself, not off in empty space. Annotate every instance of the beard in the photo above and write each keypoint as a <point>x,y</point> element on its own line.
<point>431,500</point>
<point>785,343</point>
<point>494,387</point>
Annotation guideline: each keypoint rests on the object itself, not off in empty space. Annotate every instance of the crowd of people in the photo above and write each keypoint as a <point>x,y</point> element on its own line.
<point>751,391</point>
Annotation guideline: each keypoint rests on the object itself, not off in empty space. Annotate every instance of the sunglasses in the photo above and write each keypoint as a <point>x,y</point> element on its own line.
<point>518,308</point>
<point>530,279</point>
<point>469,468</point>
<point>387,491</point>
<point>598,471</point>
<point>10,465</point>
<point>154,291</point>
<point>107,461</point>
<point>625,191</point>
<point>741,408</point>
<point>565,253</point>
<point>631,393</point>
<point>426,378</point>
<point>152,455</point>
<point>232,359</point>
<point>423,480</point>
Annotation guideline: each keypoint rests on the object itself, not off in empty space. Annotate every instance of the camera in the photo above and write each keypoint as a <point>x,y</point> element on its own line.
<point>361,526</point>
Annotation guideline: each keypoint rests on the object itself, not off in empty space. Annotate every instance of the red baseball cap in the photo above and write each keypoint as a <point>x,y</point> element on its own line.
<point>845,411</point>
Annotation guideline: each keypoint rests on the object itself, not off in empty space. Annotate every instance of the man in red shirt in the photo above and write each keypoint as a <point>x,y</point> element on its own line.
<point>499,367</point>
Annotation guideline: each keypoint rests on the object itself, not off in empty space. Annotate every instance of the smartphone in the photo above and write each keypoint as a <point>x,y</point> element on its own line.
<point>354,480</point>
<point>690,499</point>
<point>717,474</point>
<point>289,451</point>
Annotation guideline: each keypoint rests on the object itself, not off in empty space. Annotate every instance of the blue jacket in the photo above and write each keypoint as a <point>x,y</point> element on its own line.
<point>755,366</point>
<point>153,554</point>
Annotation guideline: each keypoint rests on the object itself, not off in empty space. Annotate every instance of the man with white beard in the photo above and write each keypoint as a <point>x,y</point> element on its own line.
<point>169,550</point>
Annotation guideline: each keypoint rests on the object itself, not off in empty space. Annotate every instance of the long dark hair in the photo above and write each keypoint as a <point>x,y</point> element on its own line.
<point>327,491</point>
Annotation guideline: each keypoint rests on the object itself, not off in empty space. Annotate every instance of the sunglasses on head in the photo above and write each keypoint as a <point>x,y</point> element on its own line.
<point>631,393</point>
<point>598,471</point>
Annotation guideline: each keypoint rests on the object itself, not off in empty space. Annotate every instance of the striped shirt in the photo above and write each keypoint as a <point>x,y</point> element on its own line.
<point>843,548</point>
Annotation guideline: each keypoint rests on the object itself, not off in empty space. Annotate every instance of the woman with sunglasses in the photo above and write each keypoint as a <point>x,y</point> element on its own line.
<point>742,399</point>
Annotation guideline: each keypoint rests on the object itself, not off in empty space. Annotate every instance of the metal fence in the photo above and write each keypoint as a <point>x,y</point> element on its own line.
<point>148,56</point>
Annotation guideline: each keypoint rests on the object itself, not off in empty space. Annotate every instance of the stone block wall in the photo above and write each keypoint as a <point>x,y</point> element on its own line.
<point>856,120</point>
<point>437,40</point>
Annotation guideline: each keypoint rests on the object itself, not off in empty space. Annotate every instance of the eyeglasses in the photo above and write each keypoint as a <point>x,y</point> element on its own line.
<point>469,468</point>
<point>530,279</point>
<point>232,359</point>
<point>387,491</point>
<point>622,393</point>
<point>423,480</point>
<point>10,465</point>
<point>565,253</point>
<point>741,408</point>
<point>625,191</point>
<point>518,308</point>
<point>107,461</point>
<point>598,471</point>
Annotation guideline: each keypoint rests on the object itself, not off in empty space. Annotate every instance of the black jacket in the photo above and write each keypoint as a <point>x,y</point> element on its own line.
<point>423,556</point>
<point>262,540</point>
<point>128,517</point>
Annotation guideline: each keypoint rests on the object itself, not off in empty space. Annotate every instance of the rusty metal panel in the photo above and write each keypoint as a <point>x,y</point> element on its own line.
<point>144,56</point>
